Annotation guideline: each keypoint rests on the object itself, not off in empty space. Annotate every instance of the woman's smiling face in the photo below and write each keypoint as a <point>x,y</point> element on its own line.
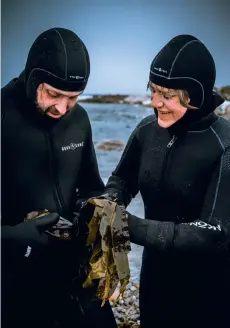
<point>168,105</point>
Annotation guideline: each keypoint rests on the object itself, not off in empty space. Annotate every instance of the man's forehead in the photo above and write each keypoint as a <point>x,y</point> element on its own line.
<point>64,93</point>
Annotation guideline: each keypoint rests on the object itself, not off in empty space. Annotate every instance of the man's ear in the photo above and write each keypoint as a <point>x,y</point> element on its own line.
<point>40,86</point>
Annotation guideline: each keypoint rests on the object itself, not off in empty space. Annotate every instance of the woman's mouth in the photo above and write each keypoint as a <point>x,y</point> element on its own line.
<point>164,113</point>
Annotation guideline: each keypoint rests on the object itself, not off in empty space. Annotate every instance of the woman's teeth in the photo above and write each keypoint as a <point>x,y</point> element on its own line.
<point>164,112</point>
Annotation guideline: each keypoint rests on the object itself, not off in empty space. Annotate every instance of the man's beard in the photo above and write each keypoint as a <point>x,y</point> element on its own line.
<point>51,110</point>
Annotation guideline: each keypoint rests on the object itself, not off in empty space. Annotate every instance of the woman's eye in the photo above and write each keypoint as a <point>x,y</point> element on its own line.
<point>151,89</point>
<point>168,96</point>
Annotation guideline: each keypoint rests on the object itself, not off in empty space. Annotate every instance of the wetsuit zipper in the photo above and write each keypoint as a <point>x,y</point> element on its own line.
<point>56,188</point>
<point>165,162</point>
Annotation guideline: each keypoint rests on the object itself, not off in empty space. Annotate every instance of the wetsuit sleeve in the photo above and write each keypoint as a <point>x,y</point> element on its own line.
<point>123,183</point>
<point>89,183</point>
<point>210,232</point>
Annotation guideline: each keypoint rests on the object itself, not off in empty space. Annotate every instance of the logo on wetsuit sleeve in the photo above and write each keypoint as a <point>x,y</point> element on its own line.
<point>73,146</point>
<point>204,225</point>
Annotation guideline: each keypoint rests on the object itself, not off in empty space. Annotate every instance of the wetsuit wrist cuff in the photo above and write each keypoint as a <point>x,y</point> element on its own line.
<point>160,234</point>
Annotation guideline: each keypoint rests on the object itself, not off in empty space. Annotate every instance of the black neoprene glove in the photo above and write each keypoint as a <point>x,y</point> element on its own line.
<point>137,229</point>
<point>27,239</point>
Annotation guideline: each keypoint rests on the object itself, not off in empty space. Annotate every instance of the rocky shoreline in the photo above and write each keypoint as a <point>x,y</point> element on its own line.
<point>116,99</point>
<point>126,309</point>
<point>145,100</point>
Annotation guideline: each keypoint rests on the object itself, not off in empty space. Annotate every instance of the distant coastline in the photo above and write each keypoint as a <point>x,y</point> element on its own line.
<point>116,99</point>
<point>146,101</point>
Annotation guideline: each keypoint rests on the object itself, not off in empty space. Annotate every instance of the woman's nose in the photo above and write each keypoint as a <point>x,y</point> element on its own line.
<point>157,101</point>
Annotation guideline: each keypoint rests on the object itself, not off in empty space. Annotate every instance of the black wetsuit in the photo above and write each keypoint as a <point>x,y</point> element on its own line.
<point>46,164</point>
<point>183,175</point>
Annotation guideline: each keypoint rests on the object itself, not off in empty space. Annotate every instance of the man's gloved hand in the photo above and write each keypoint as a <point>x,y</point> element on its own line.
<point>84,212</point>
<point>29,238</point>
<point>81,219</point>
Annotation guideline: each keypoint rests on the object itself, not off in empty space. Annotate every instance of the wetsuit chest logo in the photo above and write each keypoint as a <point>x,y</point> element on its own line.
<point>72,146</point>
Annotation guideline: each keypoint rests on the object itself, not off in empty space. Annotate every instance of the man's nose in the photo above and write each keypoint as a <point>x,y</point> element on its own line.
<point>62,105</point>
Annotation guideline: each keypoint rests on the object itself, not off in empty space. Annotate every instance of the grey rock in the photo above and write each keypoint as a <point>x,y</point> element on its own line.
<point>135,317</point>
<point>127,301</point>
<point>119,309</point>
<point>130,301</point>
<point>121,302</point>
<point>120,317</point>
<point>128,293</point>
<point>111,145</point>
<point>115,312</point>
<point>133,288</point>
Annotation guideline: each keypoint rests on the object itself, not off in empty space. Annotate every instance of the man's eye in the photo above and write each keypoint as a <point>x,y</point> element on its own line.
<point>53,95</point>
